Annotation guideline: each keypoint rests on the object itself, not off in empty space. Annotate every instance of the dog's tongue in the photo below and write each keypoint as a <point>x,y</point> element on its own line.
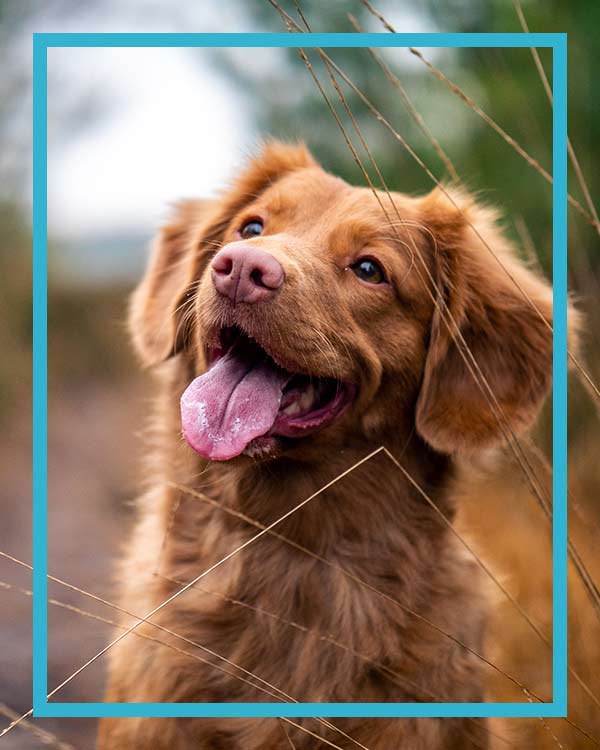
<point>236,401</point>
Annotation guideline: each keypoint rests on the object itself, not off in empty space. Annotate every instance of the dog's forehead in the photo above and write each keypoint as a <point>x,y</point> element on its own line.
<point>312,197</point>
<point>304,192</point>
<point>320,193</point>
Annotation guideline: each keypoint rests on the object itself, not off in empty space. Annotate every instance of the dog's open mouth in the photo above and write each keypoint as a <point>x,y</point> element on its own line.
<point>245,397</point>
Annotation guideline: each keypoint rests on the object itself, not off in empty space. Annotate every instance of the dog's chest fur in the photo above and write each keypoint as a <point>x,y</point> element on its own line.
<point>335,614</point>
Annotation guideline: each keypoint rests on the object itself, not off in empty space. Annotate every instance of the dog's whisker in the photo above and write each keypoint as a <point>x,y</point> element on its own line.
<point>170,315</point>
<point>329,352</point>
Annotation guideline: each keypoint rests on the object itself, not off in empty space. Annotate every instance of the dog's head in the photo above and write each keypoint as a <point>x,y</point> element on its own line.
<point>311,310</point>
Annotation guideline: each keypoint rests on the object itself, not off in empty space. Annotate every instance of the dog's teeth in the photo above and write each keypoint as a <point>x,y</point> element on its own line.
<point>292,409</point>
<point>303,403</point>
<point>307,399</point>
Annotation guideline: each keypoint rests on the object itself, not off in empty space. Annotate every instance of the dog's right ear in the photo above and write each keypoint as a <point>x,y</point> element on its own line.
<point>156,319</point>
<point>489,364</point>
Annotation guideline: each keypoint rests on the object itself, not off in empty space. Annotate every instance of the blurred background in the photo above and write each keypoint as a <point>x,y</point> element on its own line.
<point>132,130</point>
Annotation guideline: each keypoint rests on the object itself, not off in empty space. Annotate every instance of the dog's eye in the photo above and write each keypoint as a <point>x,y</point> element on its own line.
<point>368,270</point>
<point>251,229</point>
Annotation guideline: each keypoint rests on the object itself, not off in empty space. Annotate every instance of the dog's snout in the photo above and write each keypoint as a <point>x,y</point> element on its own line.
<point>246,274</point>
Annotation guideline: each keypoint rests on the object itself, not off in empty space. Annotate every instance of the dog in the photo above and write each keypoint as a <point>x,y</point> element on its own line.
<point>298,326</point>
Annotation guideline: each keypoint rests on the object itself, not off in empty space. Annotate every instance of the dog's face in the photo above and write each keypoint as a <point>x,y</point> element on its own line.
<point>315,313</point>
<point>294,314</point>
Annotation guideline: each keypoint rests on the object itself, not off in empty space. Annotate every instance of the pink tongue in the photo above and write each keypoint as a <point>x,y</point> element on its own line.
<point>234,402</point>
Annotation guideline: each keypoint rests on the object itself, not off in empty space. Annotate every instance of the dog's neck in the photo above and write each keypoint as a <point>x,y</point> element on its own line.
<point>355,494</point>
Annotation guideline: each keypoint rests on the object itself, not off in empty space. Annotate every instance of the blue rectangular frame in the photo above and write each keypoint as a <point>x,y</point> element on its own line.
<point>41,707</point>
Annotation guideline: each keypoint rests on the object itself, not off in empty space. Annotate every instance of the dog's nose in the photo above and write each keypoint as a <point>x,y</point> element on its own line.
<point>246,274</point>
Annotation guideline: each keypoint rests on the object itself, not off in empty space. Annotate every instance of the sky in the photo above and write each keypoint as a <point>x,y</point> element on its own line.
<point>172,129</point>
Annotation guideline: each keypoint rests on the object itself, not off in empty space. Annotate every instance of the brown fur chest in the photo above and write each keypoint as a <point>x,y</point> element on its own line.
<point>311,621</point>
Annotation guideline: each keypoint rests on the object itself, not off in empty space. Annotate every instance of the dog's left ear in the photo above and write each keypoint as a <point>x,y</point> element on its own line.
<point>489,300</point>
<point>155,310</point>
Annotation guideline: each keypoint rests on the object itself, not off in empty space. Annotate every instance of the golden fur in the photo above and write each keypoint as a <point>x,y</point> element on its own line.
<point>320,633</point>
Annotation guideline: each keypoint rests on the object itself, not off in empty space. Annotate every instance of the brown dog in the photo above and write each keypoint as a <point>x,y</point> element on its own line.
<point>303,327</point>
